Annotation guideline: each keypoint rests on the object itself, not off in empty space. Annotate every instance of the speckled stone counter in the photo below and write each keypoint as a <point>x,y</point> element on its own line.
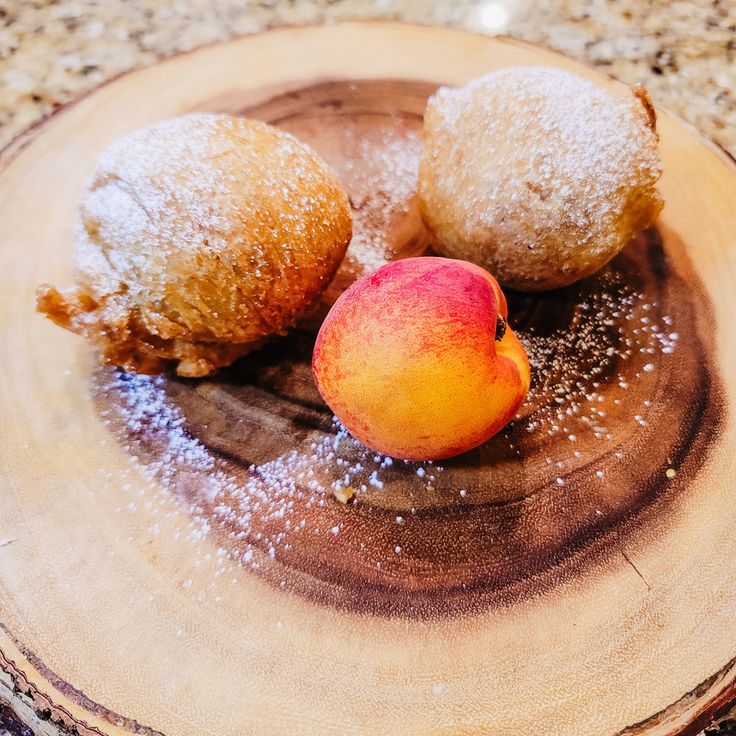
<point>685,52</point>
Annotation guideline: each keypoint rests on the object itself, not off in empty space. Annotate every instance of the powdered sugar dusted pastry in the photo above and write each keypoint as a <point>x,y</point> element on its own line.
<point>537,174</point>
<point>197,238</point>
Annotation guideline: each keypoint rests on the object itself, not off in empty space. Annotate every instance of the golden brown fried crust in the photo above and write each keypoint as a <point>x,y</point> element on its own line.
<point>124,343</point>
<point>198,238</point>
<point>642,95</point>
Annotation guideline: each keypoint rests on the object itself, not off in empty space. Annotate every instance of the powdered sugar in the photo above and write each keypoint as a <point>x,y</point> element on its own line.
<point>538,172</point>
<point>155,185</point>
<point>382,176</point>
<point>587,142</point>
<point>262,510</point>
<point>209,228</point>
<point>569,365</point>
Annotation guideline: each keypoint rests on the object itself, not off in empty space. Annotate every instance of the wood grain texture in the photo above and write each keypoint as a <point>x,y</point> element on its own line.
<point>173,558</point>
<point>553,490</point>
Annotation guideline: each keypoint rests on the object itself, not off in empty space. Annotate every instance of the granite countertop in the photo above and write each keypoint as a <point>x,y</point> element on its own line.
<point>52,51</point>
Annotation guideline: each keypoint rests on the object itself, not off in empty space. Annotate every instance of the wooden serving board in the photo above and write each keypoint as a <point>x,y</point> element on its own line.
<point>172,558</point>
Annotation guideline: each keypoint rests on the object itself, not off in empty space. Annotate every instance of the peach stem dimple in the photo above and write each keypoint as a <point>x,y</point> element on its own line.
<point>500,328</point>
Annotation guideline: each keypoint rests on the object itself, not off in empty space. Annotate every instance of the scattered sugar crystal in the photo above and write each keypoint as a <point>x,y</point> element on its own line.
<point>381,190</point>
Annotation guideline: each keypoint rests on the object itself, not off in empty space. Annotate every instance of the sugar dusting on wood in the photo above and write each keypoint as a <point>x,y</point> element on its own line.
<point>382,177</point>
<point>261,513</point>
<point>569,366</point>
<point>260,504</point>
<point>261,509</point>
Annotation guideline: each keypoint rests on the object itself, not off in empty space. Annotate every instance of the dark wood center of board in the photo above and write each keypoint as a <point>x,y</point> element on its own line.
<point>623,407</point>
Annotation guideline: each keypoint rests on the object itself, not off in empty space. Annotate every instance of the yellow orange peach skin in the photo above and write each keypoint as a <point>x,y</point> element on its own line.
<point>409,362</point>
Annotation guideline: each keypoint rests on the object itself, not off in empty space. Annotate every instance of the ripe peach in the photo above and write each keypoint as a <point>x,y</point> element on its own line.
<point>416,361</point>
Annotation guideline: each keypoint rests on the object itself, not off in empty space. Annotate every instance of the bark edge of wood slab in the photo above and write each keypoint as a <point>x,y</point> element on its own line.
<point>122,612</point>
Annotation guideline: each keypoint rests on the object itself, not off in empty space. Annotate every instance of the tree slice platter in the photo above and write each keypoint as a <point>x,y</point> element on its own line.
<point>173,555</point>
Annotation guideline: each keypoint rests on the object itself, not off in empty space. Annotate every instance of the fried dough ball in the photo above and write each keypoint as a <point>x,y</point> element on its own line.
<point>199,237</point>
<point>538,175</point>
